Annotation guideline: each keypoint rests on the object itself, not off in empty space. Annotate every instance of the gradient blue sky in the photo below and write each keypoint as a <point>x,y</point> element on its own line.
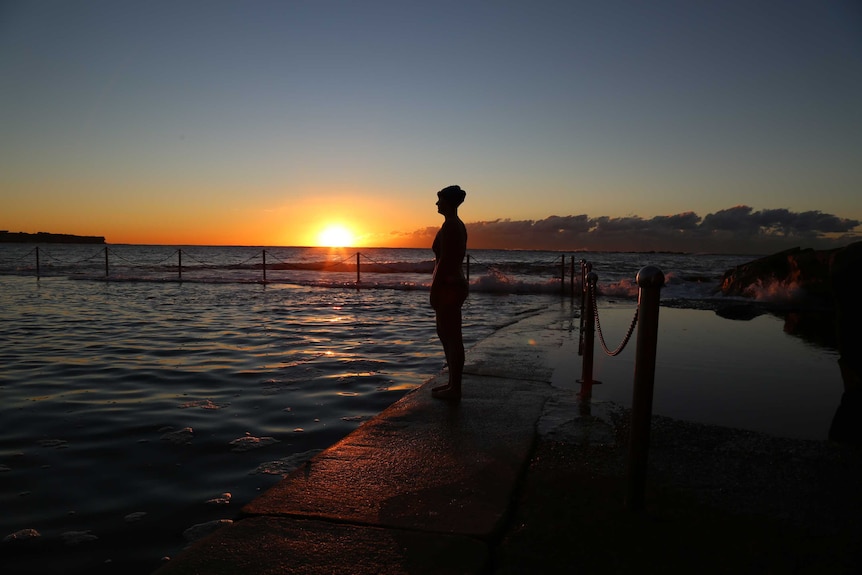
<point>260,122</point>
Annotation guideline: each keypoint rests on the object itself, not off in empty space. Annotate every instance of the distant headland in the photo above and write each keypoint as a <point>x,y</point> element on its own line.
<point>47,238</point>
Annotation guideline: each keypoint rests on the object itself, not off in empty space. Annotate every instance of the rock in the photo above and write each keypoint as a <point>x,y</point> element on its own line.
<point>846,270</point>
<point>77,537</point>
<point>201,530</point>
<point>249,442</point>
<point>22,535</point>
<point>180,436</point>
<point>222,499</point>
<point>796,276</point>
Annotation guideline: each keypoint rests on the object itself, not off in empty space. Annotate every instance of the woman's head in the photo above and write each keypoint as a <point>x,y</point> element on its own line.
<point>453,195</point>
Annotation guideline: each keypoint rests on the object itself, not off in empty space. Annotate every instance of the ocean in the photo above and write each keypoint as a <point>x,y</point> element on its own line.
<point>147,389</point>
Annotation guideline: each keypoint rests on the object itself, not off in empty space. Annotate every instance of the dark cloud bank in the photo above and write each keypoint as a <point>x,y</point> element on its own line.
<point>739,229</point>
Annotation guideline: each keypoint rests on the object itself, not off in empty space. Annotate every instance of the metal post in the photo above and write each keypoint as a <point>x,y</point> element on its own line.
<point>263,252</point>
<point>468,268</point>
<point>572,277</point>
<point>588,326</point>
<point>180,264</point>
<point>38,270</point>
<point>106,261</point>
<point>357,270</point>
<point>650,280</point>
<point>586,267</point>
<point>563,274</point>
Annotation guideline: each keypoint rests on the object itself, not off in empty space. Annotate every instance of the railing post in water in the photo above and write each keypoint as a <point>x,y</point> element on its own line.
<point>357,270</point>
<point>572,278</point>
<point>586,267</point>
<point>468,268</point>
<point>650,280</point>
<point>180,265</point>
<point>563,274</point>
<point>38,271</point>
<point>106,262</point>
<point>588,327</point>
<point>263,253</point>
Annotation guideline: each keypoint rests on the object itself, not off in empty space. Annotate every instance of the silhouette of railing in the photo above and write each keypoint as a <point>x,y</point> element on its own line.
<point>264,261</point>
<point>650,280</point>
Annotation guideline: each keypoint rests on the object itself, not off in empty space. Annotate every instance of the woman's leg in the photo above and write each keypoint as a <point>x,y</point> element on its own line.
<point>441,334</point>
<point>449,332</point>
<point>456,350</point>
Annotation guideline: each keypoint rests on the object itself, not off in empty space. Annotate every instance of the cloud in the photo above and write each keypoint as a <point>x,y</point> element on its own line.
<point>739,229</point>
<point>684,221</point>
<point>778,223</point>
<point>737,218</point>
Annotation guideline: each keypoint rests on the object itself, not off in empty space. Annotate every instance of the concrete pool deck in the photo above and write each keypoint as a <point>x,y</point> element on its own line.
<point>520,476</point>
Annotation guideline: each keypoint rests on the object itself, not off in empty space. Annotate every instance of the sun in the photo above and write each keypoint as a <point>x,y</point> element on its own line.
<point>335,236</point>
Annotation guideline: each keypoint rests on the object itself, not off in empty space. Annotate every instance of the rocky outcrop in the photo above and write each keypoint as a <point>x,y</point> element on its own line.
<point>846,273</point>
<point>795,276</point>
<point>47,238</point>
<point>821,301</point>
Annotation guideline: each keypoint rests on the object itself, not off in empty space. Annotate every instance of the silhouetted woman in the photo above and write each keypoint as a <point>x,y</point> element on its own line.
<point>449,288</point>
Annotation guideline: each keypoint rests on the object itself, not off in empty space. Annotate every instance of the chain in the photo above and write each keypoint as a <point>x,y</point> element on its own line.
<point>628,336</point>
<point>381,264</point>
<point>58,260</point>
<point>25,256</point>
<point>276,258</point>
<point>336,264</point>
<point>130,262</point>
<point>491,268</point>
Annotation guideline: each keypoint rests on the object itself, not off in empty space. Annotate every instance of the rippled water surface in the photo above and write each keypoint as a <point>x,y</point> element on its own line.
<point>137,407</point>
<point>127,407</point>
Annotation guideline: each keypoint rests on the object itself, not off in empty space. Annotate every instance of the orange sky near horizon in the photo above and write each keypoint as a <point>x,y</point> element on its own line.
<point>227,219</point>
<point>598,125</point>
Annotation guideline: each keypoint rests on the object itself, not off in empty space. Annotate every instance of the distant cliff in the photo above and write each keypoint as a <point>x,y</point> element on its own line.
<point>46,238</point>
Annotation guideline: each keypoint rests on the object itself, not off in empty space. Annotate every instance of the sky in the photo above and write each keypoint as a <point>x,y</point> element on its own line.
<point>620,125</point>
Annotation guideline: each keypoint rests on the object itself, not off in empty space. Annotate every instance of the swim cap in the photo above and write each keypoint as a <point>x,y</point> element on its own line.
<point>452,194</point>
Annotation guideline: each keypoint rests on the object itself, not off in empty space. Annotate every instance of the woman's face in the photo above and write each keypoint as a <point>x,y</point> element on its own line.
<point>443,206</point>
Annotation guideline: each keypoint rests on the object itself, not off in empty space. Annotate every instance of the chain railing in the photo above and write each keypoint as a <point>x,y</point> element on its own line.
<point>266,261</point>
<point>590,324</point>
<point>650,280</point>
<point>628,335</point>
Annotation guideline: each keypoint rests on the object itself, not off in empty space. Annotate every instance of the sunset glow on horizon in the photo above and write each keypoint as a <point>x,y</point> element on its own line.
<point>615,126</point>
<point>336,236</point>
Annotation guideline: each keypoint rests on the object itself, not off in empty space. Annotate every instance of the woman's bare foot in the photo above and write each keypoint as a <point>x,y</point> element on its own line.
<point>447,393</point>
<point>439,388</point>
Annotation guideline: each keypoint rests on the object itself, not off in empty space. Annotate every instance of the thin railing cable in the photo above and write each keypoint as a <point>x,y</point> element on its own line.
<point>58,260</point>
<point>130,262</point>
<point>20,258</point>
<point>381,264</point>
<point>217,266</point>
<point>626,339</point>
<point>498,270</point>
<point>27,255</point>
<point>323,265</point>
<point>336,264</point>
<point>196,260</point>
<point>276,258</point>
<point>489,267</point>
